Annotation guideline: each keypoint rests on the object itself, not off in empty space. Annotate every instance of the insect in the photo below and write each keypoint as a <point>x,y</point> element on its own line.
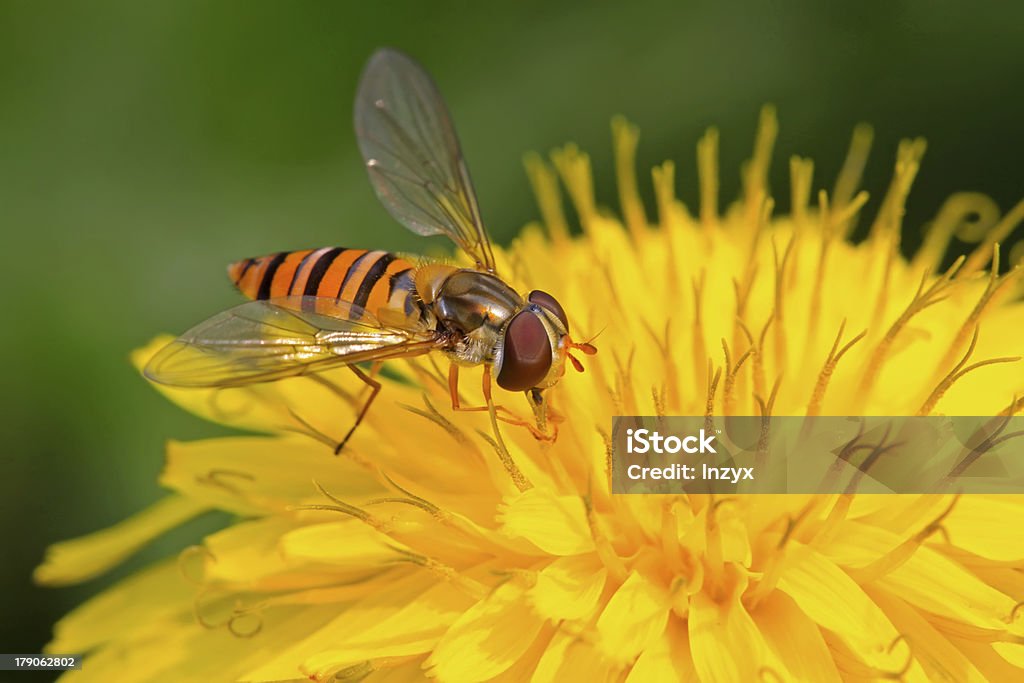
<point>318,309</point>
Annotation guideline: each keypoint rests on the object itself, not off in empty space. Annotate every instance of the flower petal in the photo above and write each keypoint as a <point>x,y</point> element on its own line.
<point>258,475</point>
<point>246,552</point>
<point>392,623</point>
<point>795,639</point>
<point>570,658</point>
<point>668,658</point>
<point>933,650</point>
<point>833,600</point>
<point>154,594</point>
<point>725,643</point>
<point>978,525</point>
<point>83,558</point>
<point>182,650</point>
<point>984,656</point>
<point>633,618</point>
<point>487,639</point>
<point>348,543</point>
<point>1011,652</point>
<point>933,582</point>
<point>568,588</point>
<point>555,524</point>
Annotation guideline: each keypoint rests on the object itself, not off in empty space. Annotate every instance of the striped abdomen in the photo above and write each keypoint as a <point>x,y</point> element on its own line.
<point>368,279</point>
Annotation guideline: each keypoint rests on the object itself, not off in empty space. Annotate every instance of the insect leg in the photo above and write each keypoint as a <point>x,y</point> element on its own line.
<point>509,417</point>
<point>520,480</point>
<point>453,385</point>
<point>453,390</point>
<point>374,390</point>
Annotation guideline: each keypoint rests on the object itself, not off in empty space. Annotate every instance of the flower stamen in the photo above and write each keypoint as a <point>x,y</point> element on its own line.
<point>999,233</point>
<point>899,555</point>
<point>432,414</point>
<point>574,168</point>
<point>217,478</point>
<point>850,175</point>
<point>194,552</point>
<point>545,189</point>
<point>833,358</point>
<point>624,140</point>
<point>707,176</point>
<point>731,371</point>
<point>959,371</point>
<point>923,298</point>
<point>780,328</point>
<point>699,350</point>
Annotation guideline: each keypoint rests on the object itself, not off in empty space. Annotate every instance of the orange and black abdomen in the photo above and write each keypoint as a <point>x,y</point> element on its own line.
<point>369,279</point>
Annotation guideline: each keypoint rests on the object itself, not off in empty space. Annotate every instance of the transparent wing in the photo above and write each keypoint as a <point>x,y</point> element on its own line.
<point>261,341</point>
<point>412,154</point>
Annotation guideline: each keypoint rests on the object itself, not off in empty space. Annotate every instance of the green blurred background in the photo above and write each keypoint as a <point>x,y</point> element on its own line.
<point>145,145</point>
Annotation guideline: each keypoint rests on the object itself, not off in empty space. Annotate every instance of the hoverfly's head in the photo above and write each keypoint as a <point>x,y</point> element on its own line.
<point>535,346</point>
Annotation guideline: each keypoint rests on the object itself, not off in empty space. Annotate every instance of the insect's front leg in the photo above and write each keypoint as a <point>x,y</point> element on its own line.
<point>540,431</point>
<point>453,390</point>
<point>508,417</point>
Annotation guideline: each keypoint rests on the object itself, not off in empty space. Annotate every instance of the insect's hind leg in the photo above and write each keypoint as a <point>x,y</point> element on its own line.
<point>374,390</point>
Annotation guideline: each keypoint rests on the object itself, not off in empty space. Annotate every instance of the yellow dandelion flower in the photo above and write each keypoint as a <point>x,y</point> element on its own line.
<point>426,549</point>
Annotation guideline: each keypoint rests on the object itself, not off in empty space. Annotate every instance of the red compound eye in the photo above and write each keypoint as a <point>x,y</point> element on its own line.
<point>527,356</point>
<point>542,298</point>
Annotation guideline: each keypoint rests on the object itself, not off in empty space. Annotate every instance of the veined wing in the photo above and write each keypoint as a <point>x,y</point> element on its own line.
<point>413,157</point>
<point>272,339</point>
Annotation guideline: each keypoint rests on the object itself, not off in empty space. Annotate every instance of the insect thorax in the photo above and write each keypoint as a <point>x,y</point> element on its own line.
<point>475,308</point>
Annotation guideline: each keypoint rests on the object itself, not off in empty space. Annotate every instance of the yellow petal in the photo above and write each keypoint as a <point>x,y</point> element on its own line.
<point>570,658</point>
<point>409,627</point>
<point>1012,653</point>
<point>83,558</point>
<point>488,639</point>
<point>246,551</point>
<point>150,596</point>
<point>256,475</point>
<point>732,534</point>
<point>568,588</point>
<point>633,618</point>
<point>555,524</point>
<point>725,643</point>
<point>933,582</point>
<point>833,600</point>
<point>185,651</point>
<point>313,655</point>
<point>857,545</point>
<point>940,660</point>
<point>667,659</point>
<point>988,661</point>
<point>978,525</point>
<point>348,543</point>
<point>795,639</point>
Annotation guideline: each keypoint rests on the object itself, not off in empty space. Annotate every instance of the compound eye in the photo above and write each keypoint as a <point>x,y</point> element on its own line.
<point>542,298</point>
<point>527,355</point>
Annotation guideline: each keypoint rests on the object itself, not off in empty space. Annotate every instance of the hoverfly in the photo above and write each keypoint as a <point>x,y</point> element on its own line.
<point>318,309</point>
